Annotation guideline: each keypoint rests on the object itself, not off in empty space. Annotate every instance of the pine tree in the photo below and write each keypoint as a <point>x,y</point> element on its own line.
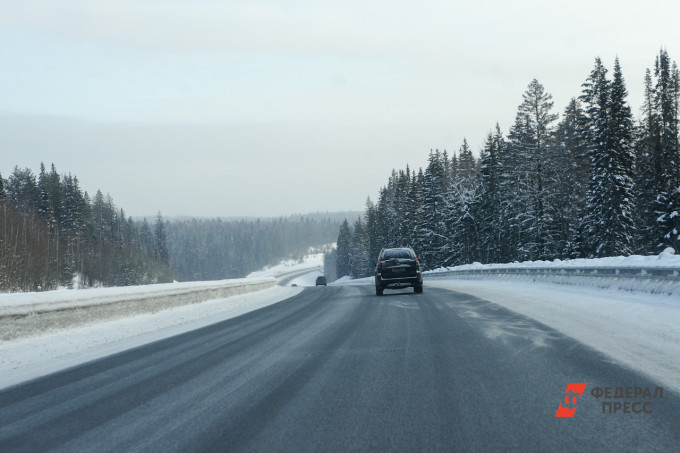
<point>22,191</point>
<point>431,226</point>
<point>609,218</point>
<point>467,166</point>
<point>571,182</point>
<point>359,260</point>
<point>646,181</point>
<point>146,238</point>
<point>3,194</point>
<point>531,138</point>
<point>372,232</point>
<point>343,246</point>
<point>622,199</point>
<point>161,242</point>
<point>490,210</point>
<point>667,157</point>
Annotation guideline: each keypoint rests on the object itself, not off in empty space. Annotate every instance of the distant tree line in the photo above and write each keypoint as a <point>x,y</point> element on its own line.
<point>210,249</point>
<point>53,234</point>
<point>593,183</point>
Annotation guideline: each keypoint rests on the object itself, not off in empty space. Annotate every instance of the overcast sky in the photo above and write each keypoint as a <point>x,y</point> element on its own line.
<point>267,108</point>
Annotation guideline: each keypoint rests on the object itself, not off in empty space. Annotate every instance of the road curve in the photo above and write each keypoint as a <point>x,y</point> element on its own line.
<point>339,369</point>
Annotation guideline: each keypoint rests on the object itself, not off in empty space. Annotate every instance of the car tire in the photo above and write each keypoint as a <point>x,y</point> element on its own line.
<point>378,291</point>
<point>418,289</point>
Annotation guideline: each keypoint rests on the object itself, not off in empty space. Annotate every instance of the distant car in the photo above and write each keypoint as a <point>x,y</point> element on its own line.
<point>398,268</point>
<point>320,280</point>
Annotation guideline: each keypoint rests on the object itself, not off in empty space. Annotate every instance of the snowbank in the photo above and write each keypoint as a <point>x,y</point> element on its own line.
<point>26,314</point>
<point>657,274</point>
<point>667,258</point>
<point>30,357</point>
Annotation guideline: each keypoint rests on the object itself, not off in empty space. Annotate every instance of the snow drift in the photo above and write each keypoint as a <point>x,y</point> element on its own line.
<point>27,314</point>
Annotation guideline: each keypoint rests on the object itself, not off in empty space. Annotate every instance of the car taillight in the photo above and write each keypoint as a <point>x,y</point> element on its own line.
<point>379,261</point>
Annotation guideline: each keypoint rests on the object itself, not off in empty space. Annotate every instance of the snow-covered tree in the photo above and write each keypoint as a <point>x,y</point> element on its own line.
<point>610,207</point>
<point>491,218</point>
<point>343,245</point>
<point>570,182</point>
<point>530,141</point>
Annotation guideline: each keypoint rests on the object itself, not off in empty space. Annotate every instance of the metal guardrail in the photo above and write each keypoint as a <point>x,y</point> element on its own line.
<point>647,273</point>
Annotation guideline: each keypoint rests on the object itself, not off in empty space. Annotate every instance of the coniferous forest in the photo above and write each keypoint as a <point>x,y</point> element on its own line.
<point>53,234</point>
<point>210,249</point>
<point>594,182</point>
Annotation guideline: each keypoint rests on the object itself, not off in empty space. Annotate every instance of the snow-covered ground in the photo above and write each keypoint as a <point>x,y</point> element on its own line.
<point>658,274</point>
<point>290,266</point>
<point>667,258</point>
<point>26,303</point>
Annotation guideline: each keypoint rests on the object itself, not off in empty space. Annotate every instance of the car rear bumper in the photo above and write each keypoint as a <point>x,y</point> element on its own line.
<point>400,282</point>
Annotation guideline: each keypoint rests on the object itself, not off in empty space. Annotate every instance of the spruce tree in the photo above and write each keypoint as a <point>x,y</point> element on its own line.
<point>490,210</point>
<point>667,159</point>
<point>359,260</point>
<point>3,194</point>
<point>431,226</point>
<point>646,181</point>
<point>343,246</point>
<point>161,242</point>
<point>372,232</point>
<point>609,218</point>
<point>531,138</point>
<point>571,181</point>
<point>622,200</point>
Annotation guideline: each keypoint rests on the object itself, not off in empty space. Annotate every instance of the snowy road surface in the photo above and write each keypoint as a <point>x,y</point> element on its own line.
<point>337,368</point>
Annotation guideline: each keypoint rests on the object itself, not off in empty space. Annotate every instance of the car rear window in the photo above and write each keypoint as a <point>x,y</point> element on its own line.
<point>398,253</point>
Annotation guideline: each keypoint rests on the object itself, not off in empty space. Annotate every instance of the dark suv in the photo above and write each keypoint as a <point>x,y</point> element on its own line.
<point>320,280</point>
<point>398,268</point>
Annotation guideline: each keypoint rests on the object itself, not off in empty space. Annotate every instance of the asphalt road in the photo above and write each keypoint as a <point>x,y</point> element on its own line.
<point>339,369</point>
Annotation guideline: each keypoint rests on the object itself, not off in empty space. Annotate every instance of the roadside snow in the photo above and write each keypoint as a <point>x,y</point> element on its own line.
<point>28,358</point>
<point>667,258</point>
<point>27,303</point>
